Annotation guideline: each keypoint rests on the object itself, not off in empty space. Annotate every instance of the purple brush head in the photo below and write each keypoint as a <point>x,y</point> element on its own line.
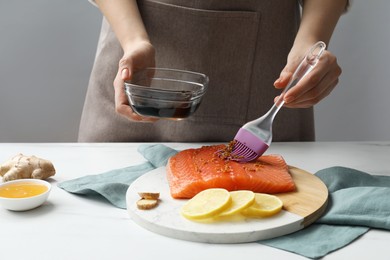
<point>247,146</point>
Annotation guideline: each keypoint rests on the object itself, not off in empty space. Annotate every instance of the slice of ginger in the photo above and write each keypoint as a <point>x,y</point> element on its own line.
<point>148,200</point>
<point>147,203</point>
<point>149,195</point>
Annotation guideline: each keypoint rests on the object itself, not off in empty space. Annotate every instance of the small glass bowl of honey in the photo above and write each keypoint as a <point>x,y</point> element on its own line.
<point>166,93</point>
<point>24,194</point>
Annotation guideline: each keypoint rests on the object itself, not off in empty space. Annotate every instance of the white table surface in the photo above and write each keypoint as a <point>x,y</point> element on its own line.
<point>68,226</point>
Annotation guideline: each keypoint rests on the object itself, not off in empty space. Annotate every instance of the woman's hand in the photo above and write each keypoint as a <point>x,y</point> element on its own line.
<point>315,86</point>
<point>125,19</point>
<point>319,18</point>
<point>138,56</point>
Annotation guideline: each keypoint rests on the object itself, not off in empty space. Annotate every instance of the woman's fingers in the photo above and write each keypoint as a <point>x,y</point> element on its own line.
<point>121,102</point>
<point>283,79</point>
<point>139,57</point>
<point>312,97</point>
<point>125,73</point>
<point>318,84</point>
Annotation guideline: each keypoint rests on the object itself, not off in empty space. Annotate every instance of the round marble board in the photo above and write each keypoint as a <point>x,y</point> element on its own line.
<point>300,208</point>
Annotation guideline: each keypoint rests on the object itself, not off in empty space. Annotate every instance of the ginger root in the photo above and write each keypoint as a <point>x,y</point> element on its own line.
<point>25,167</point>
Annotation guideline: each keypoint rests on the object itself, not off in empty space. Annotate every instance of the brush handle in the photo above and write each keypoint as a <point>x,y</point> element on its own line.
<point>306,65</point>
<point>262,126</point>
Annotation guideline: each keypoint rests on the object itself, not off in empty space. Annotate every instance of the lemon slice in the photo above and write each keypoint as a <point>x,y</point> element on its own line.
<point>206,203</point>
<point>241,199</point>
<point>265,205</point>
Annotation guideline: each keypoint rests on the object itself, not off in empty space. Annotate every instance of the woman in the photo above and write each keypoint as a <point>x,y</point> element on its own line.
<point>241,45</point>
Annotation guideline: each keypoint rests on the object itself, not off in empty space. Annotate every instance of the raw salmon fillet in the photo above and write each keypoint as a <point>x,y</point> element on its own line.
<point>193,170</point>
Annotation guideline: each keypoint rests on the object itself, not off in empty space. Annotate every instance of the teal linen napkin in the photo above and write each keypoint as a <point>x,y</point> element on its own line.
<point>113,185</point>
<point>358,201</point>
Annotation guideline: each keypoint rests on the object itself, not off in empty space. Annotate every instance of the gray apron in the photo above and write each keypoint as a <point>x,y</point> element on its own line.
<point>241,45</point>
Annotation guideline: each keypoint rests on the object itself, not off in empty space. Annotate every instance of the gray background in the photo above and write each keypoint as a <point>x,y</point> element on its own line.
<point>47,49</point>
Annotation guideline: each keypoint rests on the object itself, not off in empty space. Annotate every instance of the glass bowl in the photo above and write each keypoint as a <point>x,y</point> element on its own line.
<point>166,93</point>
<point>24,194</point>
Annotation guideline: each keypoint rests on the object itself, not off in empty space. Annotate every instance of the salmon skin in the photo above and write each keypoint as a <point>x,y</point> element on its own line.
<point>193,170</point>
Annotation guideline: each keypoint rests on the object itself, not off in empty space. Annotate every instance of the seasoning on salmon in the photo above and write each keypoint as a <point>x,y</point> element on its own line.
<point>194,170</point>
<point>226,152</point>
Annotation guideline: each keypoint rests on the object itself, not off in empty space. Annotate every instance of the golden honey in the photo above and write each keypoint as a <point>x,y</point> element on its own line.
<point>22,190</point>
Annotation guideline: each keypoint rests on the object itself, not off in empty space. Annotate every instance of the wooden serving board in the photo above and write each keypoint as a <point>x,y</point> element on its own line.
<point>301,208</point>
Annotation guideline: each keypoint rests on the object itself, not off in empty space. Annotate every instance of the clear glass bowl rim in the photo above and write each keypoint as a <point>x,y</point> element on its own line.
<point>152,89</point>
